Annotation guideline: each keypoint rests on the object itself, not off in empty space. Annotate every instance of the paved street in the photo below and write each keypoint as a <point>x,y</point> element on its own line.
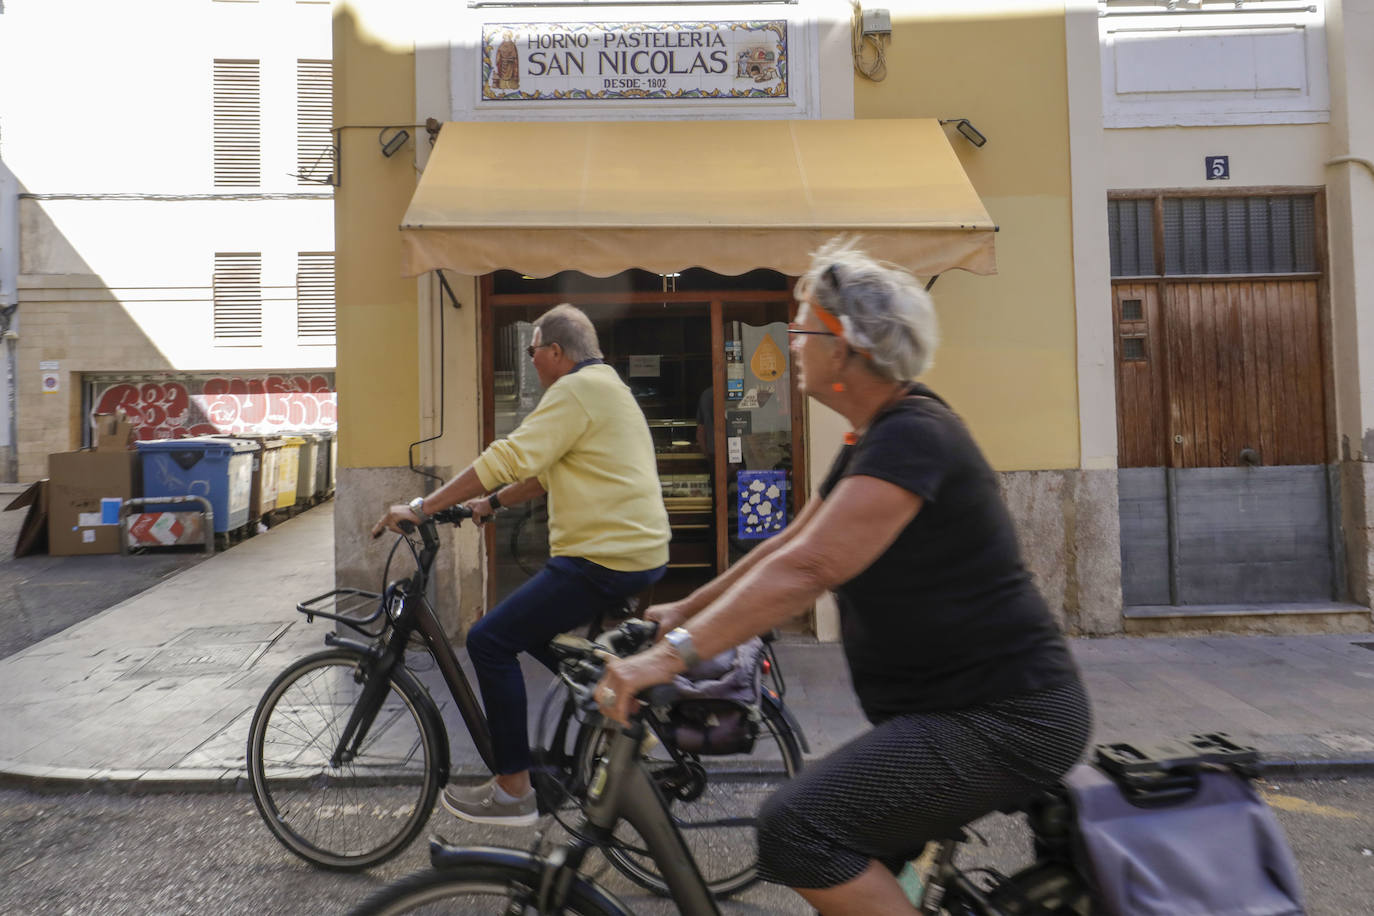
<point>176,855</point>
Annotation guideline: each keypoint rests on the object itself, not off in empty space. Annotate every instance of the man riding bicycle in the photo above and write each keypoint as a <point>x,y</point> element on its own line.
<point>587,445</point>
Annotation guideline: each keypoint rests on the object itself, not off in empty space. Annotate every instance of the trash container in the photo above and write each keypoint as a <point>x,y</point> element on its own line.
<point>306,467</point>
<point>221,470</point>
<point>288,467</point>
<point>262,496</point>
<point>321,490</point>
<point>333,461</point>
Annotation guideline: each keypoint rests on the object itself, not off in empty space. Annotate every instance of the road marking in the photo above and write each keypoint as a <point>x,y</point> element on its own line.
<point>1300,806</point>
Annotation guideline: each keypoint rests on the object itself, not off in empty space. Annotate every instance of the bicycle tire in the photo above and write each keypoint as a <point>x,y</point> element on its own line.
<point>365,812</point>
<point>726,855</point>
<point>445,890</point>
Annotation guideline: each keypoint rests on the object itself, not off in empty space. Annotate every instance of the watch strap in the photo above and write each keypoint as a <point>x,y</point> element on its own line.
<point>494,500</point>
<point>417,505</point>
<point>681,642</point>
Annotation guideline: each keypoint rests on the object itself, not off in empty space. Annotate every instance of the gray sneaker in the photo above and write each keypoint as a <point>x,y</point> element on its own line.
<point>479,805</point>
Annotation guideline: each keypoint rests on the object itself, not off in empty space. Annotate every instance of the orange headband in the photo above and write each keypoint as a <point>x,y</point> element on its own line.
<point>833,325</point>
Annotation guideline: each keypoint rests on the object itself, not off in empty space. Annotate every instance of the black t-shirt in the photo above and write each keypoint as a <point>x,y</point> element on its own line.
<point>947,617</point>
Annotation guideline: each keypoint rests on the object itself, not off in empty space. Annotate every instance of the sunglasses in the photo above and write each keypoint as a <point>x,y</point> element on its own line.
<point>793,329</point>
<point>529,351</point>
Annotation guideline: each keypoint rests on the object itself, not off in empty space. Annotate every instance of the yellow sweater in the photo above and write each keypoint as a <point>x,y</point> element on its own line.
<point>589,446</point>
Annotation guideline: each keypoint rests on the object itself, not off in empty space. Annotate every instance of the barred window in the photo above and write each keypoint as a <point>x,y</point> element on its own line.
<point>238,296</point>
<point>314,116</point>
<point>315,294</point>
<point>238,124</point>
<point>1215,235</point>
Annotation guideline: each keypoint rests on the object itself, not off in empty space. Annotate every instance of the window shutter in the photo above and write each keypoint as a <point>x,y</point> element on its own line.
<point>238,295</point>
<point>238,124</point>
<point>315,294</point>
<point>314,116</point>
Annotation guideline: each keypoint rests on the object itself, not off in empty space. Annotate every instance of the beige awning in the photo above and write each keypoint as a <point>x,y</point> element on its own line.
<point>729,196</point>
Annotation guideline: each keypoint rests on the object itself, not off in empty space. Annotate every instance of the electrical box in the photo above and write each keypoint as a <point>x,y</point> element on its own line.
<point>877,22</point>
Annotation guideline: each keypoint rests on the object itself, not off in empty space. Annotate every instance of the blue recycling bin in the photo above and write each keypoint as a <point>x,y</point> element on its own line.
<point>221,470</point>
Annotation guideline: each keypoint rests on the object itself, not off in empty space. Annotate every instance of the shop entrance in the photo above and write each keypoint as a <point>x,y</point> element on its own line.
<point>707,358</point>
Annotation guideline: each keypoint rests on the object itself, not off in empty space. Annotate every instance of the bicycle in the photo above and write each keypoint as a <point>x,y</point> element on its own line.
<point>623,789</point>
<point>347,749</point>
<point>713,798</point>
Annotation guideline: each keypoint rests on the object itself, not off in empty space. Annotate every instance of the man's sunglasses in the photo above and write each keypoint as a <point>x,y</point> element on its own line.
<point>529,351</point>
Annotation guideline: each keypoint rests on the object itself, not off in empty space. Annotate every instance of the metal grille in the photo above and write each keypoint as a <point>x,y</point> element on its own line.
<point>315,294</point>
<point>1132,237</point>
<point>1132,310</point>
<point>1133,348</point>
<point>238,124</point>
<point>1246,235</point>
<point>314,117</point>
<point>238,295</point>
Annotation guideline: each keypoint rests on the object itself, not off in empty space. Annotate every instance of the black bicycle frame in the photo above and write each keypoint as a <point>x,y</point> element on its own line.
<point>414,614</point>
<point>622,789</point>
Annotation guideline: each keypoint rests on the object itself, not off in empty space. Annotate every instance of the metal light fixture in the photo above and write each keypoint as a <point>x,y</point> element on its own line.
<point>396,141</point>
<point>965,127</point>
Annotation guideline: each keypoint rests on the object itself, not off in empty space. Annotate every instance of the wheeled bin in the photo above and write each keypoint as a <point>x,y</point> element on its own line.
<point>221,470</point>
<point>262,497</point>
<point>288,468</point>
<point>306,467</point>
<point>321,466</point>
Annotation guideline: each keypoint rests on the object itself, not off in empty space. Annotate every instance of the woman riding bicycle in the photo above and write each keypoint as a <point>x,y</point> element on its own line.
<point>975,700</point>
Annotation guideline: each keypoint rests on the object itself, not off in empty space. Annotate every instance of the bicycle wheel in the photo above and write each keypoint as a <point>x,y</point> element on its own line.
<point>713,800</point>
<point>370,808</point>
<point>478,888</point>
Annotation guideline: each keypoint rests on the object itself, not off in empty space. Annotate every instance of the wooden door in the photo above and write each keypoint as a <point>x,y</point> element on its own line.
<point>1245,373</point>
<point>1142,433</point>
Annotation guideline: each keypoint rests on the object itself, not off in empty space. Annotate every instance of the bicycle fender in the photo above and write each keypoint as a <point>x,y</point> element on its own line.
<point>417,690</point>
<point>791,720</point>
<point>542,874</point>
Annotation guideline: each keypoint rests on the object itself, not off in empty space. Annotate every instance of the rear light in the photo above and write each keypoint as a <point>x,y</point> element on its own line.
<point>767,666</point>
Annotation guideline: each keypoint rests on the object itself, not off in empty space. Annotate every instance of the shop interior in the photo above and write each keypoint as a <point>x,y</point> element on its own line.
<point>707,358</point>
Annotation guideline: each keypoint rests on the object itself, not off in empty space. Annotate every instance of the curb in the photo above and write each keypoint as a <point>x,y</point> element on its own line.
<point>75,780</point>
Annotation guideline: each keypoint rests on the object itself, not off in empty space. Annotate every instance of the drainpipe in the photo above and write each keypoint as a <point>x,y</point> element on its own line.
<point>9,306</point>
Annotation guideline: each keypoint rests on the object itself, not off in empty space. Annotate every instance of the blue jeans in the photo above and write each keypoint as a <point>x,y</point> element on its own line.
<point>569,592</point>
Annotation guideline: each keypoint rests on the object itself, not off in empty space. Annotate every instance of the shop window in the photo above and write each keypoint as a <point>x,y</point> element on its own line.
<point>315,296</point>
<point>314,117</point>
<point>237,291</point>
<point>237,124</point>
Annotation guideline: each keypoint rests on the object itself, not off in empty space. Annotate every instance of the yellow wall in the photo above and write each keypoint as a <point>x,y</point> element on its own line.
<point>1008,360</point>
<point>378,383</point>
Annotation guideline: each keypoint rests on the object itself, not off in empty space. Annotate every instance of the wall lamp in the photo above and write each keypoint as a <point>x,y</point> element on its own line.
<point>963,126</point>
<point>394,143</point>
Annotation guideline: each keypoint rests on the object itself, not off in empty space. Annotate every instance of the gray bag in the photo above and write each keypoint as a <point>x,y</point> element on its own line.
<point>716,711</point>
<point>1218,852</point>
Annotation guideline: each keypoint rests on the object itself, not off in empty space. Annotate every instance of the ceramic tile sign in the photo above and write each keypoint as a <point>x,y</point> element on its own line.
<point>578,61</point>
<point>762,504</point>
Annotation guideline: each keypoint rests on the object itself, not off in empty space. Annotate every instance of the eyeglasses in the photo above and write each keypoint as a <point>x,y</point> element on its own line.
<point>529,351</point>
<point>793,329</point>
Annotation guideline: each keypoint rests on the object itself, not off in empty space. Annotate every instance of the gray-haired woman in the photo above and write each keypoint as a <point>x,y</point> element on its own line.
<point>974,698</point>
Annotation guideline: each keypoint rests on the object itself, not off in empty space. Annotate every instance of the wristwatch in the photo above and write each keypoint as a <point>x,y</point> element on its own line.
<point>681,642</point>
<point>417,505</point>
<point>493,501</point>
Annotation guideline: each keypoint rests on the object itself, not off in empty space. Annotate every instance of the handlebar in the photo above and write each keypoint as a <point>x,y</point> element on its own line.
<point>453,515</point>
<point>582,661</point>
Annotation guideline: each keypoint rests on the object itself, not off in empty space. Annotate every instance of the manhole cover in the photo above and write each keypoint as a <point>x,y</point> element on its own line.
<point>229,635</point>
<point>202,651</point>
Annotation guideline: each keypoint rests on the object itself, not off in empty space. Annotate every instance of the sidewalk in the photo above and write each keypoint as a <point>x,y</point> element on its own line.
<point>157,692</point>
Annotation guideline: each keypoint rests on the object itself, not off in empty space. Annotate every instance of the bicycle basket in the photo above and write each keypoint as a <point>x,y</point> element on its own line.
<point>716,712</point>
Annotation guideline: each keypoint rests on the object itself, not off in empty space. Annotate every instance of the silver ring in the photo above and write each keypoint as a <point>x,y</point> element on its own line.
<point>606,696</point>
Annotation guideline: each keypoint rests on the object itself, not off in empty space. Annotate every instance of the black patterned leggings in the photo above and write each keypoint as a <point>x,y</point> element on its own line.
<point>916,778</point>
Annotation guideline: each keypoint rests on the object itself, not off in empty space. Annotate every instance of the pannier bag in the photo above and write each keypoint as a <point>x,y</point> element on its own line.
<point>1213,850</point>
<point>717,709</point>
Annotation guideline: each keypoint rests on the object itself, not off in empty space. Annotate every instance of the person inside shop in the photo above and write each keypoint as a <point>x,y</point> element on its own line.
<point>587,445</point>
<point>974,699</point>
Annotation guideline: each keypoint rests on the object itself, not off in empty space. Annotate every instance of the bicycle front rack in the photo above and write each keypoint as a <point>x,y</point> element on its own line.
<point>346,605</point>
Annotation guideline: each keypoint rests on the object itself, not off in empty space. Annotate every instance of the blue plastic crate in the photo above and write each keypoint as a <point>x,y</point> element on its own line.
<point>221,470</point>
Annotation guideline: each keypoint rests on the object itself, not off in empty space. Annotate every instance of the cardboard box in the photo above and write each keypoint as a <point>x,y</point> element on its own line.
<point>167,529</point>
<point>85,491</point>
<point>33,532</point>
<point>113,432</point>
